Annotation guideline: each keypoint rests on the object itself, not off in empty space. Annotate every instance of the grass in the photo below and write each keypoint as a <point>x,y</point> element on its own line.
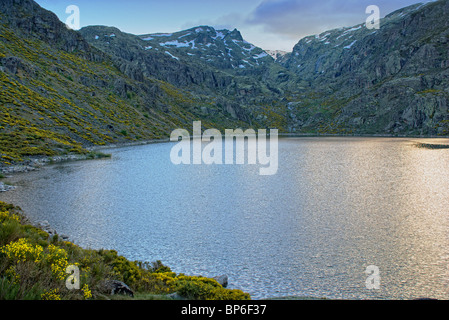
<point>98,155</point>
<point>33,267</point>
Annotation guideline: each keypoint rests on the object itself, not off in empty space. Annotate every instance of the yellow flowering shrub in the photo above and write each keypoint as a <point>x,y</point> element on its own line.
<point>86,292</point>
<point>11,274</point>
<point>6,215</point>
<point>22,250</point>
<point>202,288</point>
<point>127,270</point>
<point>57,257</point>
<point>51,295</point>
<point>34,267</point>
<point>194,287</point>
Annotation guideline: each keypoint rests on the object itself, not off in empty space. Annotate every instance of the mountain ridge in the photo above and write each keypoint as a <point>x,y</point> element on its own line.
<point>60,95</point>
<point>392,80</point>
<point>64,90</point>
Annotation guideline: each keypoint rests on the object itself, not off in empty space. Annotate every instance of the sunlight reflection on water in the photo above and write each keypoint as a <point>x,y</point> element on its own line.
<point>335,206</point>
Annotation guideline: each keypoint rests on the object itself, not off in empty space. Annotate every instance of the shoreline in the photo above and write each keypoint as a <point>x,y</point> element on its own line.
<point>128,144</point>
<point>35,163</point>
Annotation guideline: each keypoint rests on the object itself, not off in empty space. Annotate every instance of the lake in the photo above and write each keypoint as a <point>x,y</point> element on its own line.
<point>334,207</point>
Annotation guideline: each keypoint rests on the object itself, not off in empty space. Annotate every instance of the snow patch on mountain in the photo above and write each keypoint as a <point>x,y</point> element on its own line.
<point>350,46</point>
<point>175,43</point>
<point>260,55</point>
<point>172,55</point>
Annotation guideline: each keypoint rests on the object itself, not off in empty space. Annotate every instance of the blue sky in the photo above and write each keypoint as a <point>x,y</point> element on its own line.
<point>270,24</point>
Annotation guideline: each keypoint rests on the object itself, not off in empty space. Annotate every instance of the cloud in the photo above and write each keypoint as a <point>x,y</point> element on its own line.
<point>300,18</point>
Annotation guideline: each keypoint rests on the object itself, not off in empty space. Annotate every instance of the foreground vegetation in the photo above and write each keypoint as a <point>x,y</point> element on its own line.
<point>33,266</point>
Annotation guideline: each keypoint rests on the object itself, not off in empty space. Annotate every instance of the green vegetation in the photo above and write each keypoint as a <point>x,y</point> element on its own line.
<point>33,265</point>
<point>58,103</point>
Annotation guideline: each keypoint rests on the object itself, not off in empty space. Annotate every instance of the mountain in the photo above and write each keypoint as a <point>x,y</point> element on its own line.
<point>59,94</point>
<point>388,81</point>
<point>223,49</point>
<point>219,66</point>
<point>63,90</point>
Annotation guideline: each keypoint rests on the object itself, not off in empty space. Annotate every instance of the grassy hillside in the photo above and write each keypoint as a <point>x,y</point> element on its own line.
<point>56,102</point>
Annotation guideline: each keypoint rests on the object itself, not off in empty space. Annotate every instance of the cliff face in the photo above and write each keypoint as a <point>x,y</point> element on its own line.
<point>391,80</point>
<point>29,19</point>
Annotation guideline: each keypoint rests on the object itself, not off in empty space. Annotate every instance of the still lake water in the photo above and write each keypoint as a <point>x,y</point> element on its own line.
<point>335,206</point>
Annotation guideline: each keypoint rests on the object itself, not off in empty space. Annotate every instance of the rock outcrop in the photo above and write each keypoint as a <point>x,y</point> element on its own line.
<point>114,287</point>
<point>393,80</point>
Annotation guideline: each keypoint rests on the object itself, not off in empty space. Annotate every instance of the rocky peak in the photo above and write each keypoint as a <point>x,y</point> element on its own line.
<point>223,49</point>
<point>236,35</point>
<point>30,20</point>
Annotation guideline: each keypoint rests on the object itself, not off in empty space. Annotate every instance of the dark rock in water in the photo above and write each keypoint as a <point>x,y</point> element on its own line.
<point>117,287</point>
<point>5,187</point>
<point>425,299</point>
<point>223,280</point>
<point>45,226</point>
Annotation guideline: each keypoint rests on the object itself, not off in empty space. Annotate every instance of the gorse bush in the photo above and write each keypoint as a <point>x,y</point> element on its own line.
<point>33,266</point>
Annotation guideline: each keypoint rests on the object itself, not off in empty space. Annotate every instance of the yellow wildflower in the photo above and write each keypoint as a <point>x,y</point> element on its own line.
<point>51,295</point>
<point>22,250</point>
<point>11,273</point>
<point>86,292</point>
<point>58,261</point>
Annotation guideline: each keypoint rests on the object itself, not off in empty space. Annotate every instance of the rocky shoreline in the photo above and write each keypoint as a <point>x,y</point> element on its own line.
<point>6,187</point>
<point>35,163</point>
<point>38,162</point>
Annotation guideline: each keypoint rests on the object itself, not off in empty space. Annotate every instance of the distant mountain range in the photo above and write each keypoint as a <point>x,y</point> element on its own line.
<point>64,90</point>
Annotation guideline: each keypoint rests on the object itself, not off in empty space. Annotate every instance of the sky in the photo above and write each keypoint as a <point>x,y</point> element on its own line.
<point>269,24</point>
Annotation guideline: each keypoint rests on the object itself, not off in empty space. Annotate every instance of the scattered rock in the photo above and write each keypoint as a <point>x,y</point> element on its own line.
<point>5,187</point>
<point>45,226</point>
<point>223,280</point>
<point>113,287</point>
<point>176,296</point>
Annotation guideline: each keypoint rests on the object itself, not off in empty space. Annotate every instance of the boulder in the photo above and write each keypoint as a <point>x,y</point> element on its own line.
<point>113,287</point>
<point>5,187</point>
<point>223,280</point>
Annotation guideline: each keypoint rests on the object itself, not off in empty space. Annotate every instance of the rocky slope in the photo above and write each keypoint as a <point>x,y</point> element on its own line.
<point>62,90</point>
<point>59,94</point>
<point>350,80</point>
<point>391,80</point>
<point>236,76</point>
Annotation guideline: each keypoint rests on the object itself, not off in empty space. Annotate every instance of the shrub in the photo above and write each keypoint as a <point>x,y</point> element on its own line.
<point>32,266</point>
<point>200,288</point>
